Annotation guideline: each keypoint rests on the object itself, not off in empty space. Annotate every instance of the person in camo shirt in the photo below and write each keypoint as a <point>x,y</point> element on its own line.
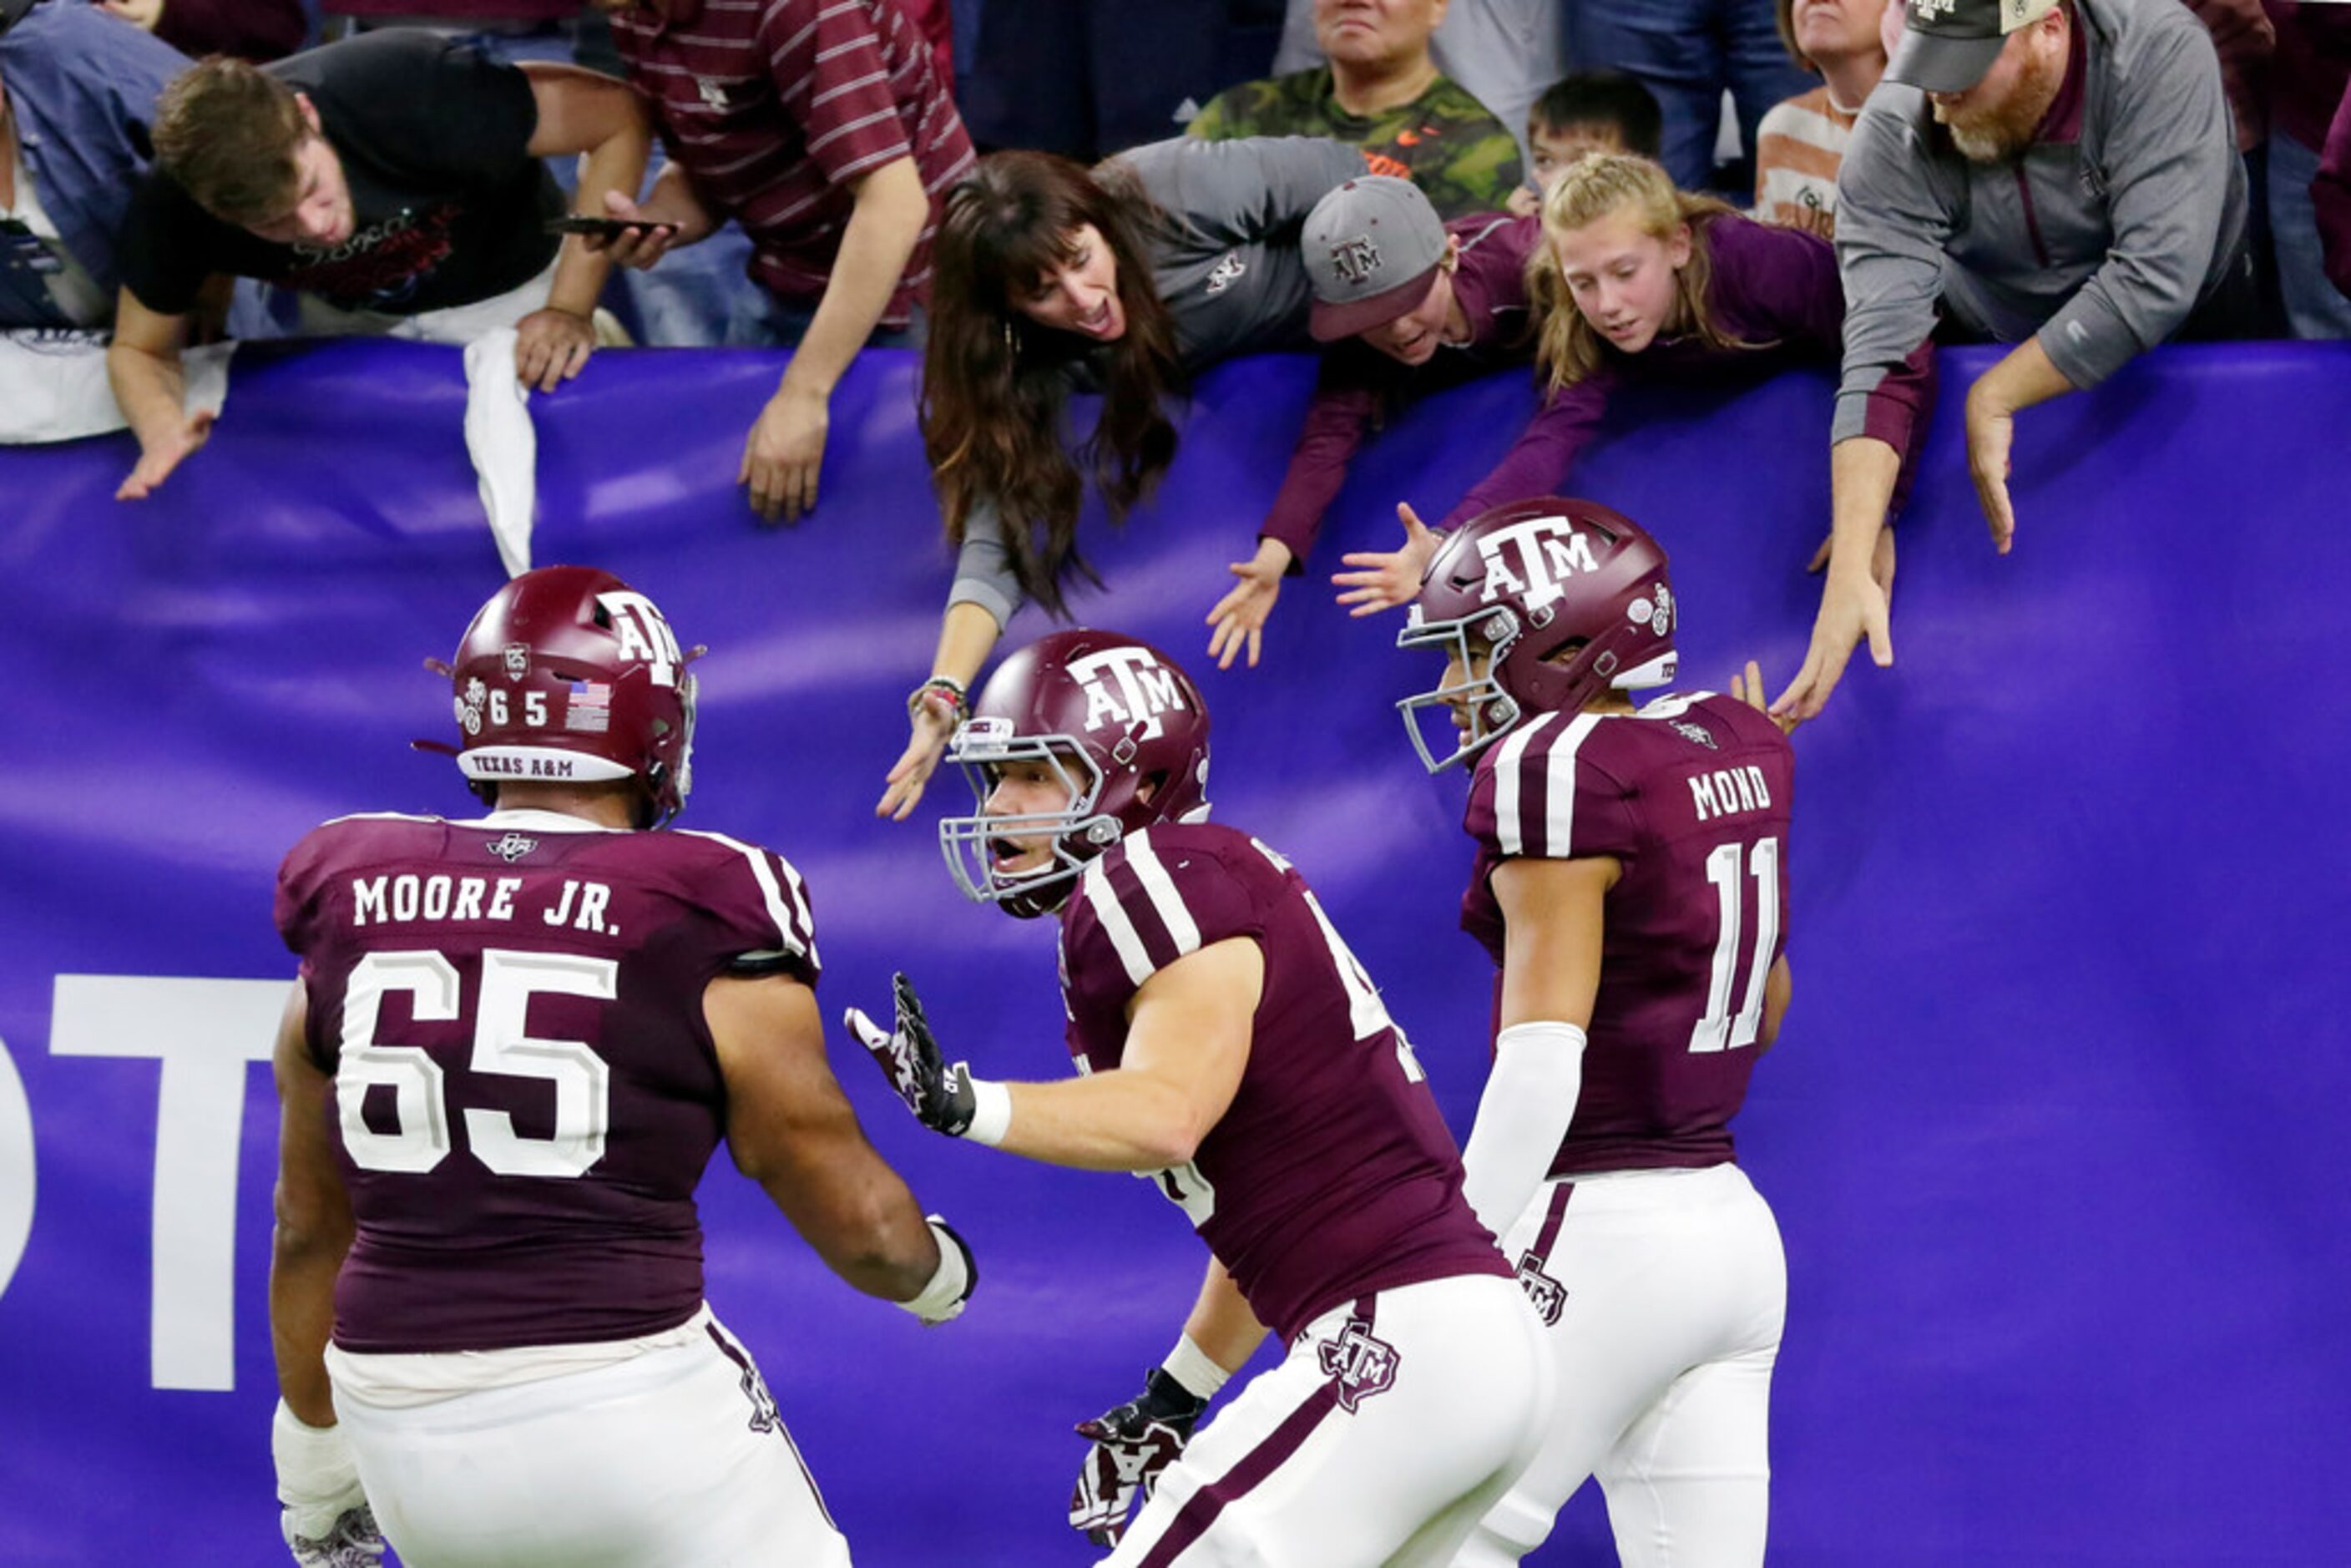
<point>1230,1048</point>
<point>1382,91</point>
<point>514,1043</point>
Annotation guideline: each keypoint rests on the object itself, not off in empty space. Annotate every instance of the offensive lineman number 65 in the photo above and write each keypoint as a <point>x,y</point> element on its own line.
<point>420,1141</point>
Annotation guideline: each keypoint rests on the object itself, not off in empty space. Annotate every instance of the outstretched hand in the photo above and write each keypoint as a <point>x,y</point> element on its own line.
<point>1748,688</point>
<point>1851,609</point>
<point>934,717</point>
<point>940,1096</point>
<point>1384,579</point>
<point>1239,617</point>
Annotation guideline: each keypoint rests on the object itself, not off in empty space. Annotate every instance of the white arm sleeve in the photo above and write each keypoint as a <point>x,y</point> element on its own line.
<point>1529,1101</point>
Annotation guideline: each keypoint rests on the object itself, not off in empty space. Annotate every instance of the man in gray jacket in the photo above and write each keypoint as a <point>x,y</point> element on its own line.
<point>2058,175</point>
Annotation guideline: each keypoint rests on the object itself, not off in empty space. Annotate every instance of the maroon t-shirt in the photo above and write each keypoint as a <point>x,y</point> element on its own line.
<point>1691,795</point>
<point>525,1093</point>
<point>1331,1173</point>
<point>777,108</point>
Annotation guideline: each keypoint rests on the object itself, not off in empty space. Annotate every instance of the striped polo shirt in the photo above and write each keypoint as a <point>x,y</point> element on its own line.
<point>776,107</point>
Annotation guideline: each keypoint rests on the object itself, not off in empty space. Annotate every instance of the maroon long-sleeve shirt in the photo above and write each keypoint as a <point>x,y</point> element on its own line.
<point>1776,288</point>
<point>1771,287</point>
<point>1358,385</point>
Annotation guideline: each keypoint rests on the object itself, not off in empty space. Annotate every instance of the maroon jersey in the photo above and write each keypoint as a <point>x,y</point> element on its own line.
<point>1690,794</point>
<point>526,1092</point>
<point>1331,1175</point>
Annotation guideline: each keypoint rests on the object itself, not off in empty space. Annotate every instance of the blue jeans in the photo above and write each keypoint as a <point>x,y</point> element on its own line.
<point>2313,307</point>
<point>1687,52</point>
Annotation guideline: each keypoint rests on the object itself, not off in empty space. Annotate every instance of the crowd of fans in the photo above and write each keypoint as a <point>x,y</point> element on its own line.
<point>1601,191</point>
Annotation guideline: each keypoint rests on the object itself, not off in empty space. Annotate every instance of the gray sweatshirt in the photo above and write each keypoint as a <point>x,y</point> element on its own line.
<point>2100,238</point>
<point>1228,268</point>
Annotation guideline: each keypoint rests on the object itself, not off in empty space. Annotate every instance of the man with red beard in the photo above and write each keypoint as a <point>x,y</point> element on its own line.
<point>2061,175</point>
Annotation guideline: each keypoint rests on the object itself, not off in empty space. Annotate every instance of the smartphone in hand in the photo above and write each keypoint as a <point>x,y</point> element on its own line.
<point>603,228</point>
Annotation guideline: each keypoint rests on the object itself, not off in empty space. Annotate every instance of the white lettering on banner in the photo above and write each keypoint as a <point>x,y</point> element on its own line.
<point>15,1168</point>
<point>206,1034</point>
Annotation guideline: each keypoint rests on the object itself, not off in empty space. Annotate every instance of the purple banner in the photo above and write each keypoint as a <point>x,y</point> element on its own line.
<point>2051,1130</point>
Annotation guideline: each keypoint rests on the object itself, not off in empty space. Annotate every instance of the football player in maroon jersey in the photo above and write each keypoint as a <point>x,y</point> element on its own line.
<point>1231,1049</point>
<point>1629,885</point>
<point>514,1046</point>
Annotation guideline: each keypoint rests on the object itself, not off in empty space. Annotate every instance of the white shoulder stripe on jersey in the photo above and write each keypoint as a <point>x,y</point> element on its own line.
<point>785,908</point>
<point>385,817</point>
<point>1559,817</point>
<point>1508,758</point>
<point>1095,884</point>
<point>1165,902</point>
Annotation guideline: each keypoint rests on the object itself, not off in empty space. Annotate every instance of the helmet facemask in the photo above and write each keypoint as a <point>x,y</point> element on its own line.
<point>1491,709</point>
<point>984,748</point>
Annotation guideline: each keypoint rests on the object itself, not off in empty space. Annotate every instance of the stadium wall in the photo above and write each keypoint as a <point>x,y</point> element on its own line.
<point>2052,1131</point>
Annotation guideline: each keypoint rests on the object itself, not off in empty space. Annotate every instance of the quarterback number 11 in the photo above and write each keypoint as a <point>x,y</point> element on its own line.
<point>1719,1030</point>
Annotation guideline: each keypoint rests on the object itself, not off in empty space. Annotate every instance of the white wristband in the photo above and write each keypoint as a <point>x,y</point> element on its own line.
<point>1193,1368</point>
<point>943,1296</point>
<point>991,1112</point>
<point>314,1464</point>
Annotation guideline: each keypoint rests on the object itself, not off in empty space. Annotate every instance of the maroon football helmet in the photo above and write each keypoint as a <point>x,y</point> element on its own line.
<point>1110,715</point>
<point>568,673</point>
<point>1517,585</point>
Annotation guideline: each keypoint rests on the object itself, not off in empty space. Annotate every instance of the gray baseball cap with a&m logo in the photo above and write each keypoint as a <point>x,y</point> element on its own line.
<point>1372,247</point>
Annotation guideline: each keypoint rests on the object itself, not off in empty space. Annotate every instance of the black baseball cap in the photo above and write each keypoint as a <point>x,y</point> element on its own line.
<point>1948,45</point>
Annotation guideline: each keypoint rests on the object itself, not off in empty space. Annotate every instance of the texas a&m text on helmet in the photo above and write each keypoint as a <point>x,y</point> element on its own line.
<point>1119,723</point>
<point>569,674</point>
<point>1542,604</point>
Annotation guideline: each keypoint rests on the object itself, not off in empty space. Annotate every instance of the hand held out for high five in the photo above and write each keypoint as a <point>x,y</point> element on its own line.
<point>1384,579</point>
<point>941,1097</point>
<point>1239,617</point>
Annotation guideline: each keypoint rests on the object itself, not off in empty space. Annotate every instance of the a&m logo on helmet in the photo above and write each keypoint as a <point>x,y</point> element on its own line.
<point>1126,687</point>
<point>643,634</point>
<point>516,657</point>
<point>1533,559</point>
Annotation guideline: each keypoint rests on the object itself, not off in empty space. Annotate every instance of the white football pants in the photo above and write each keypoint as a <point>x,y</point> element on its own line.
<point>672,1458</point>
<point>1380,1438</point>
<point>1669,1289</point>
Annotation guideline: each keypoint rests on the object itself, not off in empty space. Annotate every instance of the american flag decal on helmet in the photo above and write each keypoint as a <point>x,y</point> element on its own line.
<point>591,708</point>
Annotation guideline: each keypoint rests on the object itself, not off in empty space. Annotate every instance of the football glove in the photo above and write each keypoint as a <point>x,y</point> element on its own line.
<point>324,1513</point>
<point>1131,1445</point>
<point>940,1096</point>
